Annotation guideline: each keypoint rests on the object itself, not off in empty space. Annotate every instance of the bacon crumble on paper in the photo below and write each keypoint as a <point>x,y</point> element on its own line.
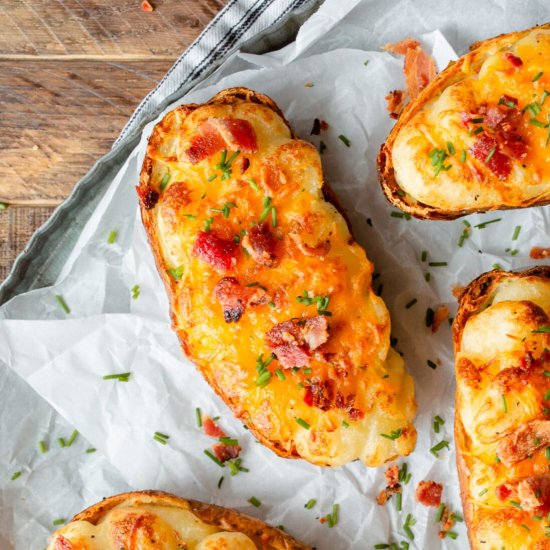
<point>441,313</point>
<point>538,253</point>
<point>147,6</point>
<point>429,493</point>
<point>419,69</point>
<point>223,451</point>
<point>392,485</point>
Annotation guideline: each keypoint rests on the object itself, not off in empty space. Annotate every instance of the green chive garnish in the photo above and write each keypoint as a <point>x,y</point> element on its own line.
<point>450,148</point>
<point>62,303</point>
<point>253,184</point>
<point>424,255</point>
<point>481,493</point>
<point>135,292</point>
<point>516,233</point>
<point>542,329</point>
<point>485,224</point>
<point>302,423</point>
<point>42,447</point>
<point>161,438</point>
<point>207,224</point>
<point>15,476</point>
<point>439,447</point>
<point>411,303</point>
<point>437,264</point>
<point>123,377</point>
<point>547,453</point>
<point>255,502</point>
<point>439,514</point>
<point>504,405</point>
<point>395,434</point>
<point>398,501</point>
<point>177,272</point>
<point>59,521</point>
<point>344,140</point>
<point>537,76</point>
<point>310,504</point>
<point>431,364</point>
<point>490,155</point>
<point>91,450</point>
<point>463,156</point>
<point>164,181</point>
<point>280,374</point>
<point>198,415</point>
<point>112,237</point>
<point>220,481</point>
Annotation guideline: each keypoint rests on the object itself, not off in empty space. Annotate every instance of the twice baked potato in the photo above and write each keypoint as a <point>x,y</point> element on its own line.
<point>502,420</point>
<point>155,520</point>
<point>270,296</point>
<point>477,137</point>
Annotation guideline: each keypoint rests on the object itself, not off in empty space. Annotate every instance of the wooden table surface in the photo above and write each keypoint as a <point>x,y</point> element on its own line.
<point>71,74</point>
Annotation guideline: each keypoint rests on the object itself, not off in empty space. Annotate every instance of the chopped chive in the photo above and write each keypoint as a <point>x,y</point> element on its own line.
<point>481,493</point>
<point>395,434</point>
<point>71,439</point>
<point>477,120</point>
<point>424,255</point>
<point>302,423</point>
<point>263,379</point>
<point>450,148</point>
<point>274,217</point>
<point>537,123</point>
<point>430,315</point>
<point>160,440</point>
<point>366,62</point>
<point>440,511</point>
<point>220,481</point>
<point>42,447</point>
<point>62,303</point>
<point>280,374</point>
<point>450,534</point>
<point>411,303</point>
<point>345,424</point>
<point>344,140</point>
<point>463,156</point>
<point>514,503</point>
<point>255,502</point>
<point>15,476</point>
<point>91,450</point>
<point>396,214</point>
<point>398,501</point>
<point>457,517</point>
<point>267,206</point>
<point>61,442</point>
<point>439,447</point>
<point>208,224</point>
<point>229,441</point>
<point>485,224</point>
<point>310,504</point>
<point>504,404</point>
<point>212,177</point>
<point>111,239</point>
<point>135,292</point>
<point>497,267</point>
<point>123,377</point>
<point>427,277</point>
<point>177,272</point>
<point>382,546</point>
<point>213,458</point>
<point>253,184</point>
<point>322,147</point>
<point>547,453</point>
<point>59,521</point>
<point>537,76</point>
<point>190,216</point>
<point>198,416</point>
<point>4,205</point>
<point>431,364</point>
<point>437,264</point>
<point>542,329</point>
<point>164,181</point>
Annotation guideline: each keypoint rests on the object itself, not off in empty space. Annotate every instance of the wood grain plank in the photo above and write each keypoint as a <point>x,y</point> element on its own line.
<point>102,27</point>
<point>16,228</point>
<point>57,119</point>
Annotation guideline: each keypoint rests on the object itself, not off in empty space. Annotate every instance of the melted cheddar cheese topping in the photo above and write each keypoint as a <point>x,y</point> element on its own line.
<point>483,140</point>
<point>354,387</point>
<point>503,416</point>
<point>139,526</point>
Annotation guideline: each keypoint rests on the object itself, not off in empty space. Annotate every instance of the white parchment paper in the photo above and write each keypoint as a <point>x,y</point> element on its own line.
<point>65,356</point>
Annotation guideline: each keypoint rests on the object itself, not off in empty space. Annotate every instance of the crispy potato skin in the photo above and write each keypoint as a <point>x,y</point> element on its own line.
<point>115,514</point>
<point>314,252</point>
<point>488,301</point>
<point>455,73</point>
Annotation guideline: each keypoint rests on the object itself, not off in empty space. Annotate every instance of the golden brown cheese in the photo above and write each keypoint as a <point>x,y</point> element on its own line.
<point>477,138</point>
<point>160,521</point>
<point>502,421</point>
<point>347,396</point>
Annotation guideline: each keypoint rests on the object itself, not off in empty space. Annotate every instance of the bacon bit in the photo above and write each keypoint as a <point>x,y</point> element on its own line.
<point>486,148</point>
<point>395,103</point>
<point>61,543</point>
<point>229,294</point>
<point>503,492</point>
<point>207,143</point>
<point>292,341</point>
<point>271,177</point>
<point>146,6</point>
<point>320,395</point>
<point>323,520</point>
<point>392,485</point>
<point>226,452</point>
<point>210,428</point>
<point>494,116</point>
<point>237,133</point>
<point>261,244</point>
<point>447,521</point>
<point>356,414</point>
<point>520,444</point>
<point>538,253</point>
<point>428,493</point>
<point>401,48</point>
<point>457,290</point>
<point>148,197</point>
<point>219,253</point>
<point>441,313</point>
<point>244,163</point>
<point>419,67</point>
<point>513,59</point>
